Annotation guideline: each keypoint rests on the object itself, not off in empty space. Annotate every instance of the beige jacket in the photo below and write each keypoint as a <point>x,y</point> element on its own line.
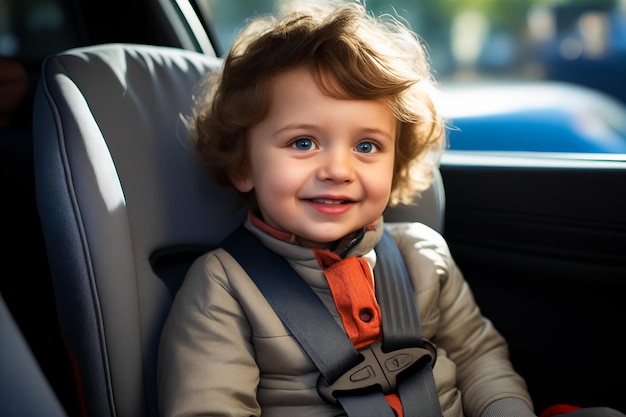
<point>224,352</point>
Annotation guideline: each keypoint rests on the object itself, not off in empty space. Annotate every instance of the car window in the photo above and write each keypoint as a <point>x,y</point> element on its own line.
<point>559,49</point>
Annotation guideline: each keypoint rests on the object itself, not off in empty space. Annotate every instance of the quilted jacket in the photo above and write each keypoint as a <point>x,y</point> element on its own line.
<point>224,352</point>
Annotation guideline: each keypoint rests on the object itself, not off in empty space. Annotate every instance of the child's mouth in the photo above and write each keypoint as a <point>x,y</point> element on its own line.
<point>329,201</point>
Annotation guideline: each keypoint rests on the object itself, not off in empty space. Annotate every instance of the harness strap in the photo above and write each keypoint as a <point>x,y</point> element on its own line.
<point>402,329</point>
<point>325,342</point>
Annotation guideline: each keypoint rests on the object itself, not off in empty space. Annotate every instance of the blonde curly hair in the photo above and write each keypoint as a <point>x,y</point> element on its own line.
<point>351,55</point>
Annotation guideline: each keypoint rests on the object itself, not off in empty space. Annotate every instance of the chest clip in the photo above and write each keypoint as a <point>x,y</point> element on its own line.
<point>377,371</point>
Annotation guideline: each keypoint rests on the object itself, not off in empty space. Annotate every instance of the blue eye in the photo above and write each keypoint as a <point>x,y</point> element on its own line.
<point>366,147</point>
<point>303,144</point>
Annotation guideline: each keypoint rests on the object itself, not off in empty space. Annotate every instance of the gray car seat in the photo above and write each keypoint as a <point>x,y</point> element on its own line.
<point>125,208</point>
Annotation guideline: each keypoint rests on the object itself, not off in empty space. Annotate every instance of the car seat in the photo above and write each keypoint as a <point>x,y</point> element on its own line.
<point>125,208</point>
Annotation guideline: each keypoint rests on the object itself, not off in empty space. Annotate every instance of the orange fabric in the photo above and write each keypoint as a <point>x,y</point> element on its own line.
<point>396,405</point>
<point>352,286</point>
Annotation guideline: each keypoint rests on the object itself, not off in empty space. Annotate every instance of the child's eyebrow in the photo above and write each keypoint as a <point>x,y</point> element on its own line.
<point>292,126</point>
<point>374,130</point>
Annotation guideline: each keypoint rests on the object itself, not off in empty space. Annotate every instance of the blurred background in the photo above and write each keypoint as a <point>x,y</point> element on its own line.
<point>578,41</point>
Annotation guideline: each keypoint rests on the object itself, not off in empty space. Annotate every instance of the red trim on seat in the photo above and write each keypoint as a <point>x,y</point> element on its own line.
<point>78,383</point>
<point>557,409</point>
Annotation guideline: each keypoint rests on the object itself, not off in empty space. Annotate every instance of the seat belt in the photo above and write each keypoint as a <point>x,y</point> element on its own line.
<point>355,379</point>
<point>402,328</point>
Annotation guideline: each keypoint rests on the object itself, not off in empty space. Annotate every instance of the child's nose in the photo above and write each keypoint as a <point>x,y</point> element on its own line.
<point>337,165</point>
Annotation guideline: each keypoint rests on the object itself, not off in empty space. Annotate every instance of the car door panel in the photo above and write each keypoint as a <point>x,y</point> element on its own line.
<point>542,243</point>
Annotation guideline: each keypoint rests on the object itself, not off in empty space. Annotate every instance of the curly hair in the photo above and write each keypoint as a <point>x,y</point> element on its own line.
<point>351,55</point>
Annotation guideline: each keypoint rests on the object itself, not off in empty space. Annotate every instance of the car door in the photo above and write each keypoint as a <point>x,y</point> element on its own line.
<point>541,238</point>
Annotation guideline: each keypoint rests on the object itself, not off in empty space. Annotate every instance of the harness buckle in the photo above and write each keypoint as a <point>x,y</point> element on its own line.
<point>377,370</point>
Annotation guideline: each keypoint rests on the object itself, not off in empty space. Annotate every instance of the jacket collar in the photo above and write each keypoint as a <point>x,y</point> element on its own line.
<point>285,244</point>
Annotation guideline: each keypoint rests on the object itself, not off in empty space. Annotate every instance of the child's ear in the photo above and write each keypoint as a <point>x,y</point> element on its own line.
<point>242,182</point>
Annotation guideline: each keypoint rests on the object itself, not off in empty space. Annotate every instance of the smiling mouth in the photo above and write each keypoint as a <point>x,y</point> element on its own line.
<point>329,201</point>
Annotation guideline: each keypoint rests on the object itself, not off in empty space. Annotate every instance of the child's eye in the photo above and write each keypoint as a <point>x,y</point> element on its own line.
<point>366,147</point>
<point>303,144</point>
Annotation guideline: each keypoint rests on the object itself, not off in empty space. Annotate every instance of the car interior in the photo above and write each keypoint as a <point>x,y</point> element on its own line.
<point>108,208</point>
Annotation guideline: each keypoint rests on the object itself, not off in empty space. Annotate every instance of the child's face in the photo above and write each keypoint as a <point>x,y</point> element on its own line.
<point>321,168</point>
